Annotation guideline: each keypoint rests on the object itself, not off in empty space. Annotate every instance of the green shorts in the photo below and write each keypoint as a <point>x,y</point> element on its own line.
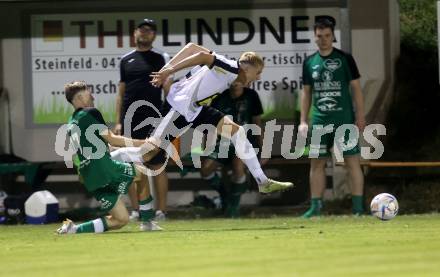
<point>108,195</point>
<point>322,148</point>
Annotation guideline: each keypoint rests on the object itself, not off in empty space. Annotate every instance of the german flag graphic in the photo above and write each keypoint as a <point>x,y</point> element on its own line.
<point>52,30</point>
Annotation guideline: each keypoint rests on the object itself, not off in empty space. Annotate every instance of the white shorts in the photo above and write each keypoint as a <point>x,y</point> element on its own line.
<point>181,98</point>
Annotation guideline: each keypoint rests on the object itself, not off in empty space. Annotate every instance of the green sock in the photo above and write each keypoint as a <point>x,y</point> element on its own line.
<point>315,208</point>
<point>104,222</point>
<point>215,182</point>
<point>98,225</point>
<point>146,212</point>
<point>358,204</point>
<point>239,188</point>
<point>233,207</point>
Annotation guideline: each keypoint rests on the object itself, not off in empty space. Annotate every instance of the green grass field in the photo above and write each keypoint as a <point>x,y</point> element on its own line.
<point>328,246</point>
<point>59,111</point>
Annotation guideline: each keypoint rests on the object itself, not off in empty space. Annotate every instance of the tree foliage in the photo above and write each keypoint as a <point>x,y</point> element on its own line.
<point>418,23</point>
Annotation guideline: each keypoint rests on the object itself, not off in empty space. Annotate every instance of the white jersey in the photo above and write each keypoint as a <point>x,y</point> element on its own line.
<point>201,85</point>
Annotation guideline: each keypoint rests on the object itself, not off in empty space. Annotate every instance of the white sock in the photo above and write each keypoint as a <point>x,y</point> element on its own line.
<point>146,207</point>
<point>245,151</point>
<point>128,154</point>
<point>98,225</point>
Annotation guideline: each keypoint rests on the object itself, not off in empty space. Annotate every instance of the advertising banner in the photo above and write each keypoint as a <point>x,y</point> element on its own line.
<point>67,47</point>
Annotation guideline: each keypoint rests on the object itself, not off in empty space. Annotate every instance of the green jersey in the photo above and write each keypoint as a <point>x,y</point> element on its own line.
<point>329,78</point>
<point>242,108</point>
<point>96,166</point>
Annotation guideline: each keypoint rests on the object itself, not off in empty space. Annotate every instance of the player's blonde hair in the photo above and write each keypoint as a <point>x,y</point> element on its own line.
<point>251,58</point>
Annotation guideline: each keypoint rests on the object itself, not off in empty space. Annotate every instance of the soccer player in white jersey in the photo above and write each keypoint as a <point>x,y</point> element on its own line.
<point>189,99</point>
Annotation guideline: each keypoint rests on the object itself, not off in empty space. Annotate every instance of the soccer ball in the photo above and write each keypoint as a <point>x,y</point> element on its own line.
<point>384,206</point>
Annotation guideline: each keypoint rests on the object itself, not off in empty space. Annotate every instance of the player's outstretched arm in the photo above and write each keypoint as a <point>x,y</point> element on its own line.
<point>120,141</point>
<point>158,78</point>
<point>189,50</point>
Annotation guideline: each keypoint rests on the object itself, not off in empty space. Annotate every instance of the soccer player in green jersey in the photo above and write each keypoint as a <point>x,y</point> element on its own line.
<point>104,178</point>
<point>244,106</point>
<point>331,83</point>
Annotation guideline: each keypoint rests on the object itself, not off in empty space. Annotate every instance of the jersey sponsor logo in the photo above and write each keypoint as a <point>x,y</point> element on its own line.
<point>208,100</point>
<point>327,76</point>
<point>327,85</point>
<point>332,64</point>
<point>327,104</point>
<point>330,94</point>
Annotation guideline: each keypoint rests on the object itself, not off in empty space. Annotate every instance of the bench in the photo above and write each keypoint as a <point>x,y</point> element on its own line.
<point>387,164</point>
<point>55,176</point>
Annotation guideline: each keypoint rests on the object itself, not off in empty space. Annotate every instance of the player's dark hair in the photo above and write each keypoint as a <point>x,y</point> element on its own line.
<point>323,23</point>
<point>72,88</point>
